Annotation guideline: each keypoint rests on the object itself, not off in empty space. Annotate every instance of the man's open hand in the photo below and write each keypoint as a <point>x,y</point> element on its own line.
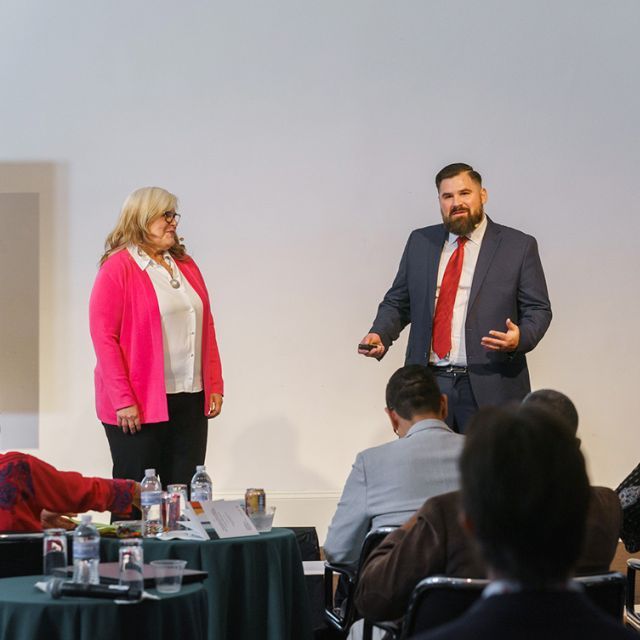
<point>503,341</point>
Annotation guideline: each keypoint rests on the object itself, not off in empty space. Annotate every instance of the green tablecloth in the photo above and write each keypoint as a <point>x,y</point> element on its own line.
<point>28,614</point>
<point>255,588</point>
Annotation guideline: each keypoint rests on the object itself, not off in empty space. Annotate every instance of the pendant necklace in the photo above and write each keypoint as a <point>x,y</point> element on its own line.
<point>173,282</point>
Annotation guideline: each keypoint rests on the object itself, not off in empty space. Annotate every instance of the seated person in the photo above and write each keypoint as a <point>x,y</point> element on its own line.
<point>389,482</point>
<point>433,542</point>
<point>525,496</point>
<point>30,487</point>
<point>629,493</point>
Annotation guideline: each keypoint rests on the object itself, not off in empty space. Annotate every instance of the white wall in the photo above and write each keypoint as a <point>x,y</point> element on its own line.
<point>302,139</point>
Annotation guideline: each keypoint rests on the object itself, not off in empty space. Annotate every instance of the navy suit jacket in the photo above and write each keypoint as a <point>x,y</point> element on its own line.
<point>508,282</point>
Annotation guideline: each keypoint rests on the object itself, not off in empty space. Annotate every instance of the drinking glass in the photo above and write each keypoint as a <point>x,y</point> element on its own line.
<point>54,552</point>
<point>131,564</point>
<point>177,497</point>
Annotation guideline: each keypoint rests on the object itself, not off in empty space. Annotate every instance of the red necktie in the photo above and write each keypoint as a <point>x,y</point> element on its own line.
<point>444,308</point>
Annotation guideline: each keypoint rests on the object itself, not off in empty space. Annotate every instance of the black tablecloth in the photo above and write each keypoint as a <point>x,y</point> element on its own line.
<point>28,614</point>
<point>255,588</point>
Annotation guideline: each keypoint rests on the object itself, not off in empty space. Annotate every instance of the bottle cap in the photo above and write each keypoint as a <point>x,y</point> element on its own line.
<point>85,518</point>
<point>149,472</point>
<point>201,467</point>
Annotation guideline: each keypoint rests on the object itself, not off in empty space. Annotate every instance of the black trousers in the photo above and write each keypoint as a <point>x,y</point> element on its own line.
<point>172,448</point>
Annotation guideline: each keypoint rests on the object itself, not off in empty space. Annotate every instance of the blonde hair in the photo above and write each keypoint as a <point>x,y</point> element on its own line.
<point>139,210</point>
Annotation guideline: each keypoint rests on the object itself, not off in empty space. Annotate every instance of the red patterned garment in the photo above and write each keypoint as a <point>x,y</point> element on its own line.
<point>28,485</point>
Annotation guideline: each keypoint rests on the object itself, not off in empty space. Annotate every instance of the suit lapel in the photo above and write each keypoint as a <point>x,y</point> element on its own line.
<point>490,243</point>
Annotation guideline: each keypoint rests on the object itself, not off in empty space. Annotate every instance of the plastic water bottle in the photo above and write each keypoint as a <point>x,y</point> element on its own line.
<point>151,503</point>
<point>86,552</point>
<point>201,485</point>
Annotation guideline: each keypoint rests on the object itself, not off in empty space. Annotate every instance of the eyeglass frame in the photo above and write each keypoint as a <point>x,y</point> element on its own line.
<point>171,216</point>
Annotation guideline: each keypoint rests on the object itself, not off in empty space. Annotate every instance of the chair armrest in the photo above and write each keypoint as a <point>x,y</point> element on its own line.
<point>339,617</point>
<point>633,565</point>
<point>393,629</point>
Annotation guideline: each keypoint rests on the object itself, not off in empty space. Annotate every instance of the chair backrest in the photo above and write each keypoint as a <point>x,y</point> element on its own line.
<point>439,599</point>
<point>20,554</point>
<point>372,540</point>
<point>606,591</point>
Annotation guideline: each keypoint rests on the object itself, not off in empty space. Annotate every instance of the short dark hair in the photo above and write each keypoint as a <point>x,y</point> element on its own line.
<point>526,491</point>
<point>557,403</point>
<point>413,390</point>
<point>455,169</point>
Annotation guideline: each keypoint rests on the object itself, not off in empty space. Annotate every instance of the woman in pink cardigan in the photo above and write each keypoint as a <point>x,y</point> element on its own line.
<point>158,376</point>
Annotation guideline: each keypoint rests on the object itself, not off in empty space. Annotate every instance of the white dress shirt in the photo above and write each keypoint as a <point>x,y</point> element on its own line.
<point>181,315</point>
<point>458,354</point>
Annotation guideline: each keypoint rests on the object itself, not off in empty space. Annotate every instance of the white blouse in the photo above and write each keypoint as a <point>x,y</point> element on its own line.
<point>181,314</point>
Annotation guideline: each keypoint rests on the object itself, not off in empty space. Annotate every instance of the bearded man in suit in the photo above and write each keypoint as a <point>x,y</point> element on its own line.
<point>476,297</point>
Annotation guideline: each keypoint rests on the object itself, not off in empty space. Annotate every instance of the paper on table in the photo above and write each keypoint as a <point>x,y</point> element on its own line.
<point>229,519</point>
<point>196,505</point>
<point>313,567</point>
<point>181,535</point>
<point>195,530</point>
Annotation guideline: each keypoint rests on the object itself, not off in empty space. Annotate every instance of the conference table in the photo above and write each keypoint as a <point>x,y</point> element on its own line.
<point>255,587</point>
<point>29,614</point>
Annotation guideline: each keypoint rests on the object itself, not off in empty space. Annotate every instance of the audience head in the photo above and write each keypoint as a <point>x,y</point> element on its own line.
<point>412,394</point>
<point>556,403</point>
<point>525,494</point>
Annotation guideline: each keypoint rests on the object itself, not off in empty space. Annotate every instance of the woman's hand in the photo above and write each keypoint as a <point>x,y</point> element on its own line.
<point>215,405</point>
<point>51,520</point>
<point>129,419</point>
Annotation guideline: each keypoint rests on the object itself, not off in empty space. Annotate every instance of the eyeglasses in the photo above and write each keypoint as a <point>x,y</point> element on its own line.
<point>171,216</point>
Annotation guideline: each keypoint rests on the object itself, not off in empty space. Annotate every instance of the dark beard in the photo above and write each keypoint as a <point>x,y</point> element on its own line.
<point>464,225</point>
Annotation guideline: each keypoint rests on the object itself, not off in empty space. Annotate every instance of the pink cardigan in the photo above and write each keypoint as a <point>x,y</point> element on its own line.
<point>126,330</point>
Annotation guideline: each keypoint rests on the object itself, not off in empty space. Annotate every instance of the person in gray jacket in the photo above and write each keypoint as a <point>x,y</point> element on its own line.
<point>388,483</point>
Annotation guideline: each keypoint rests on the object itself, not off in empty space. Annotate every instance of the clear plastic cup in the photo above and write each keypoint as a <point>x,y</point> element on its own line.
<point>263,520</point>
<point>168,574</point>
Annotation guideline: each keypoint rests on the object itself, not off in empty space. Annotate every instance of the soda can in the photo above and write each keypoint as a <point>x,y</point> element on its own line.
<point>255,501</point>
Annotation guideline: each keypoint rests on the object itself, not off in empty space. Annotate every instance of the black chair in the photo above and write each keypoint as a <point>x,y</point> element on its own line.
<point>606,591</point>
<point>20,554</point>
<point>341,615</point>
<point>629,493</point>
<point>632,618</point>
<point>439,599</point>
<point>307,540</point>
